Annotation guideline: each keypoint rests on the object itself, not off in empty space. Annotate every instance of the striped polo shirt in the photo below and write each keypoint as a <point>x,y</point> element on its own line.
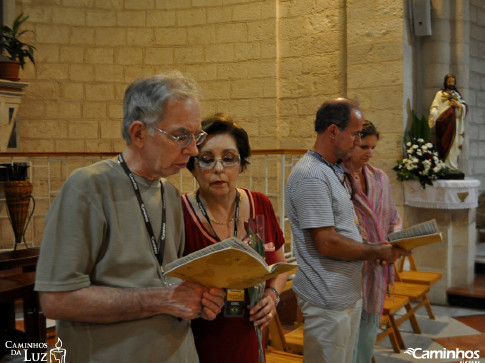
<point>316,197</point>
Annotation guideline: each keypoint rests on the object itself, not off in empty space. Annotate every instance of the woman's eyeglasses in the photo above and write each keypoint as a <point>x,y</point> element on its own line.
<point>208,162</point>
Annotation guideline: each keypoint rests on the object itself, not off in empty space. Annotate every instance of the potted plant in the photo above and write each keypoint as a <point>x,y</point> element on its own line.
<point>14,49</point>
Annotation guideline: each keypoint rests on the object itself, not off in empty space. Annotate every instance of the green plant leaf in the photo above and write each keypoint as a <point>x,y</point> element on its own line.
<point>10,44</point>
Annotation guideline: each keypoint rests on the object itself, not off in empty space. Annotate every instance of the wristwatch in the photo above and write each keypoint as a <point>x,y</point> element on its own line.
<point>277,301</point>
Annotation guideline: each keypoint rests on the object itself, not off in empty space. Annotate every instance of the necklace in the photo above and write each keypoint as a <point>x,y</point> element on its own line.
<point>221,223</point>
<point>209,219</point>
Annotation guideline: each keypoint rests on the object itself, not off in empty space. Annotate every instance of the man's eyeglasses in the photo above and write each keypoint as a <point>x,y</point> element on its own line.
<point>185,140</point>
<point>355,135</point>
<point>208,162</point>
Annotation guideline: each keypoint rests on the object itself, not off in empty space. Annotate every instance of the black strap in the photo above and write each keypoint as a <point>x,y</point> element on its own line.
<point>204,213</point>
<point>159,252</point>
<point>336,170</point>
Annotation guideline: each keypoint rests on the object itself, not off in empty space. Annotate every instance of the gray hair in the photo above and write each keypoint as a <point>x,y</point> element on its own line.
<point>335,112</point>
<point>146,99</point>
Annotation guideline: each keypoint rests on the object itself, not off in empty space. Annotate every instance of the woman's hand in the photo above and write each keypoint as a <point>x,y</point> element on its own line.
<point>264,311</point>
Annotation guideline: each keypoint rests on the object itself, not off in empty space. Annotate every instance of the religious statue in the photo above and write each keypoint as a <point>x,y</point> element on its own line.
<point>448,112</point>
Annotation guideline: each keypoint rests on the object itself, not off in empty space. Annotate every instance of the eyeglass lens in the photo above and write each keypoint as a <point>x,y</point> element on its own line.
<point>186,140</point>
<point>209,162</point>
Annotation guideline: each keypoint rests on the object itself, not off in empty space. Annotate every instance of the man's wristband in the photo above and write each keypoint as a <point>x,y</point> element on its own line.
<point>277,301</point>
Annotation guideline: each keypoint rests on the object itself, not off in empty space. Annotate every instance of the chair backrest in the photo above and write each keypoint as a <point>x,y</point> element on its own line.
<point>412,263</point>
<point>277,335</point>
<point>397,276</point>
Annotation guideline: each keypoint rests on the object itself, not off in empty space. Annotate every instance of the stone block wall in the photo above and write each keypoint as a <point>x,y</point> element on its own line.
<point>375,76</point>
<point>89,51</point>
<point>269,64</point>
<point>476,98</point>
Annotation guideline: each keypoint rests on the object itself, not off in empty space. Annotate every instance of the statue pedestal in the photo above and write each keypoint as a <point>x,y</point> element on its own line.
<point>453,204</point>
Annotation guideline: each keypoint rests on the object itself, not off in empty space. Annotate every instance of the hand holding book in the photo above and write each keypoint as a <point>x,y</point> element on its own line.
<point>228,264</point>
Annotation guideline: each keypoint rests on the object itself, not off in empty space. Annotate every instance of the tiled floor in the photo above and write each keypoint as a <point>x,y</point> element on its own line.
<point>443,326</point>
<point>470,296</point>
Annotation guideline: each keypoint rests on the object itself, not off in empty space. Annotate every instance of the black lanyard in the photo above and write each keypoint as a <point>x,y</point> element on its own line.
<point>336,170</point>
<point>342,181</point>
<point>204,213</point>
<point>157,251</point>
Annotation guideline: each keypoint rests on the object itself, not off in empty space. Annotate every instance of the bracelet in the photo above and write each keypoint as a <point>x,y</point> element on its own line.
<point>277,301</point>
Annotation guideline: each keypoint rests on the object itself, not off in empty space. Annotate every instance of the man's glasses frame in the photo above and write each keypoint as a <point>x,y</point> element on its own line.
<point>185,140</point>
<point>357,134</point>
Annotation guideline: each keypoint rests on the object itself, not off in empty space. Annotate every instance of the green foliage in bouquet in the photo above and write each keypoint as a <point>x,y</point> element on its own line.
<point>419,129</point>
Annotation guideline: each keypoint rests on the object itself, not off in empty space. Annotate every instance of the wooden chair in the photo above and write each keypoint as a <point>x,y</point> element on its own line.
<point>276,356</point>
<point>393,304</point>
<point>416,276</point>
<point>294,340</point>
<point>388,330</point>
<point>415,292</point>
<point>281,351</point>
<point>288,309</point>
<point>389,323</point>
<point>289,342</point>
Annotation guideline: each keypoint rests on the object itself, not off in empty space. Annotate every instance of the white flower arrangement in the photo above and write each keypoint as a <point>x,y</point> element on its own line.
<point>421,163</point>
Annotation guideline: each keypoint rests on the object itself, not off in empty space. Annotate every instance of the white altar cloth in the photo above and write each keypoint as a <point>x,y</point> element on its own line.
<point>443,194</point>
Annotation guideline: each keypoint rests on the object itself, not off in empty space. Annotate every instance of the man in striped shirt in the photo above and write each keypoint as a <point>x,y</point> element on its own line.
<point>327,241</point>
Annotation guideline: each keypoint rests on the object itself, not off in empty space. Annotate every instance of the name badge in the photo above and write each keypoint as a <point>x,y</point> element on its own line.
<point>234,306</point>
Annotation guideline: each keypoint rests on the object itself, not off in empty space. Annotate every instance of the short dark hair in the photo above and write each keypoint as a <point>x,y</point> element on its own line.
<point>334,112</point>
<point>369,129</point>
<point>219,124</point>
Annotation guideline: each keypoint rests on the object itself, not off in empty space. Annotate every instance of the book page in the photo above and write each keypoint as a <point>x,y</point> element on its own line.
<point>227,264</point>
<point>413,242</point>
<point>226,244</point>
<point>422,229</point>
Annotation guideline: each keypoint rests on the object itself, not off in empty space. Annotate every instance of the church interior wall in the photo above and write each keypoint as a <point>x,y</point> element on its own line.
<point>269,64</point>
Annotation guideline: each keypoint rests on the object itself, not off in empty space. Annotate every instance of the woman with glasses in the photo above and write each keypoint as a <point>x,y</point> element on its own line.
<point>219,210</point>
<point>378,217</point>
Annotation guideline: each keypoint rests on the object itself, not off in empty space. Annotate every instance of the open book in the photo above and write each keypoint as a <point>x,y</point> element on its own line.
<point>227,264</point>
<point>417,235</point>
